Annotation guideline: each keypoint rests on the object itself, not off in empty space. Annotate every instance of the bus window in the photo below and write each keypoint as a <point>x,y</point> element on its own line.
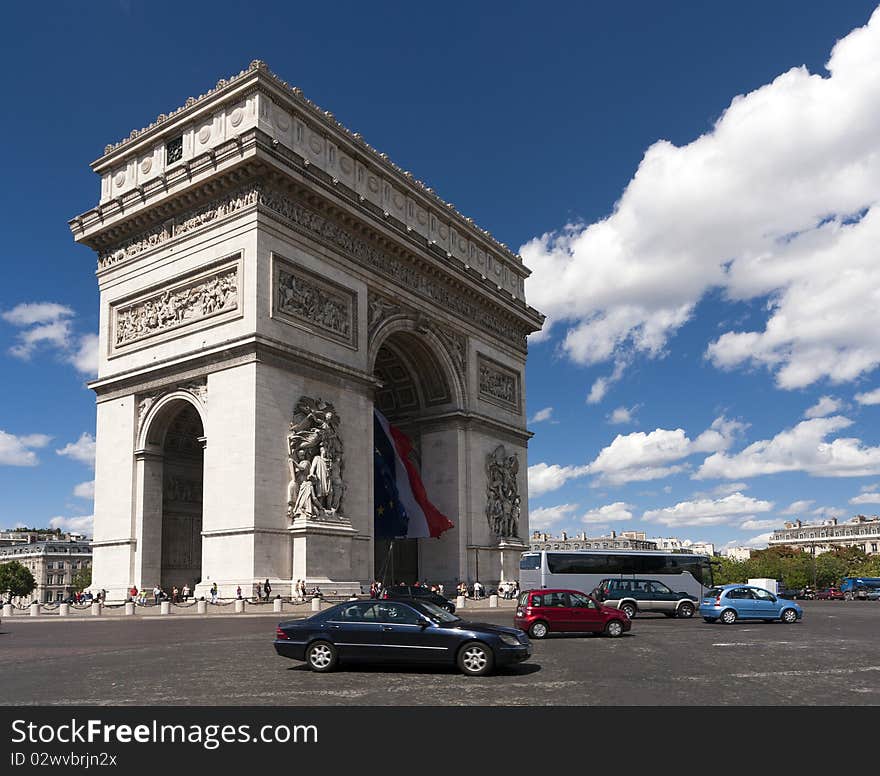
<point>529,562</point>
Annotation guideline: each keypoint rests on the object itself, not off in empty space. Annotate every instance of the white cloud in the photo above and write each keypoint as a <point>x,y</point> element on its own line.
<point>828,512</point>
<point>872,397</point>
<point>802,448</point>
<point>797,507</point>
<point>31,313</point>
<point>50,324</point>
<point>622,415</point>
<point>639,456</point>
<point>759,542</point>
<point>603,384</point>
<point>827,405</point>
<point>542,415</point>
<point>83,450</point>
<point>759,525</point>
<point>83,525</point>
<point>708,511</point>
<point>866,498</point>
<point>544,478</point>
<point>85,357</point>
<point>85,490</point>
<point>17,450</point>
<point>724,489</point>
<point>546,517</point>
<point>609,513</point>
<point>778,201</point>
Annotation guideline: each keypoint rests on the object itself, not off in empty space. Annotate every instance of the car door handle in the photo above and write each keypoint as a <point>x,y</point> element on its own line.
<point>387,627</point>
<point>335,627</point>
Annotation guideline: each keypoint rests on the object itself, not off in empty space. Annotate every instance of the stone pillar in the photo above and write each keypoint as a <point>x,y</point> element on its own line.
<point>36,609</point>
<point>493,601</point>
<point>96,608</point>
<point>201,607</point>
<point>7,610</point>
<point>148,518</point>
<point>277,605</point>
<point>459,602</point>
<point>239,605</point>
<point>165,607</point>
<point>129,608</point>
<point>63,610</point>
<point>316,604</point>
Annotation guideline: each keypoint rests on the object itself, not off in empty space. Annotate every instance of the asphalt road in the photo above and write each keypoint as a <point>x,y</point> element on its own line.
<point>829,659</point>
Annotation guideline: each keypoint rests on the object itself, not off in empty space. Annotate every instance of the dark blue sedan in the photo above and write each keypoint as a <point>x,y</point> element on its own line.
<point>399,632</point>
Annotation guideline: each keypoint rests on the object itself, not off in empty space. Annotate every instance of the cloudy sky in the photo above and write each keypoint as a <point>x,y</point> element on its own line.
<point>695,188</point>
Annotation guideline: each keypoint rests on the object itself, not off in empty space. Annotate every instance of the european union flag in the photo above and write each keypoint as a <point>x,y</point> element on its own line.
<point>390,518</point>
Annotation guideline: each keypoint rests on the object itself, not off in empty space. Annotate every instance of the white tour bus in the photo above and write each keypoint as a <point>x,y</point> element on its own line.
<point>584,569</point>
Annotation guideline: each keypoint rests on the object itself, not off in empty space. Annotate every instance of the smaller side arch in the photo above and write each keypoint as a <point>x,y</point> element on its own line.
<point>155,423</point>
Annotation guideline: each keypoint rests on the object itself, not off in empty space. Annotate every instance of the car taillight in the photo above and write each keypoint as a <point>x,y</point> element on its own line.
<point>718,600</point>
<point>528,611</point>
<point>280,634</point>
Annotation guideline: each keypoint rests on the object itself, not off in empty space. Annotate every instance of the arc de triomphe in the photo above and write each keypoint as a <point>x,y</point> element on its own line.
<point>266,278</point>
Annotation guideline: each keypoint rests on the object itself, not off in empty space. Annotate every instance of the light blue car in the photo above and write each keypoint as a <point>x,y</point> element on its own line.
<point>730,603</point>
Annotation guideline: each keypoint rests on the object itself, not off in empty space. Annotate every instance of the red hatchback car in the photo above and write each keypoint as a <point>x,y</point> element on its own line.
<point>830,594</point>
<point>539,612</point>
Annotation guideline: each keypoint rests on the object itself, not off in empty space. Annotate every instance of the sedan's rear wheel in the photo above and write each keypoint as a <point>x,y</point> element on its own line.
<point>728,616</point>
<point>614,628</point>
<point>475,659</point>
<point>322,656</point>
<point>539,629</point>
<point>789,616</point>
<point>685,610</point>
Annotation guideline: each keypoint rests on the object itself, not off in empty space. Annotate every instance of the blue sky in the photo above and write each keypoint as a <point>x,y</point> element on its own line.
<point>695,192</point>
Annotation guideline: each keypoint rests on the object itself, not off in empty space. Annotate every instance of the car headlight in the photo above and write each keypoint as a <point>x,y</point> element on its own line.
<point>511,641</point>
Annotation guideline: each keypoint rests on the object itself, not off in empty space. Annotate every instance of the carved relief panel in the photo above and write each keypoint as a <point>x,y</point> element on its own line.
<point>502,492</point>
<point>498,384</point>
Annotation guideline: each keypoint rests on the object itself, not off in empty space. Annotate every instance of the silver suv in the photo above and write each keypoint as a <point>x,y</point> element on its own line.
<point>645,595</point>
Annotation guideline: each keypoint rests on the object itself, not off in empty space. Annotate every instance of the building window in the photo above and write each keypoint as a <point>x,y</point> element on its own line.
<point>873,546</point>
<point>174,150</point>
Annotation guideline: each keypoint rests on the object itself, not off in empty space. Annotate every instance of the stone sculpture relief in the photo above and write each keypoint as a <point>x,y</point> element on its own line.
<point>176,307</point>
<point>300,297</point>
<point>498,385</point>
<point>502,492</point>
<point>315,458</point>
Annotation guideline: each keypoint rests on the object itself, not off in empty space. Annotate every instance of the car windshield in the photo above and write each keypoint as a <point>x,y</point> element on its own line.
<point>436,613</point>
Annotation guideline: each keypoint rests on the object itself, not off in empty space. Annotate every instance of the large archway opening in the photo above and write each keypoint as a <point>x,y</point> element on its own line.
<point>413,387</point>
<point>174,555</point>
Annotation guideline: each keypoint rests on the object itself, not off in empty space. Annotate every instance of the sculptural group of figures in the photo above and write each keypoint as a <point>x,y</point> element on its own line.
<point>503,499</point>
<point>315,452</point>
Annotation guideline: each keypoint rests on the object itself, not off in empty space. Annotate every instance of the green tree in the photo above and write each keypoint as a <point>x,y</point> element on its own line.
<point>82,579</point>
<point>16,580</point>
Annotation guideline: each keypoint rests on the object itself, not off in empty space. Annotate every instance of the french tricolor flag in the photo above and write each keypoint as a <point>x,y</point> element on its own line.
<point>402,509</point>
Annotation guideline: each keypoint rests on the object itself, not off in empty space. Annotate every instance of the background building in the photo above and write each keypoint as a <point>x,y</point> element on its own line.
<point>737,553</point>
<point>52,562</point>
<point>674,544</point>
<point>543,541</point>
<point>860,531</point>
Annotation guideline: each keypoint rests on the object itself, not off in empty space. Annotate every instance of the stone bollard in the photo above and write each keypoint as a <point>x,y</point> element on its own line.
<point>165,607</point>
<point>35,610</point>
<point>129,608</point>
<point>239,605</point>
<point>7,610</point>
<point>201,607</point>
<point>493,601</point>
<point>316,604</point>
<point>459,602</point>
<point>63,610</point>
<point>96,608</point>
<point>276,605</point>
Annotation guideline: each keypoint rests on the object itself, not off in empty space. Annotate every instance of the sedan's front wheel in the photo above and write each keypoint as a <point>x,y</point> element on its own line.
<point>475,659</point>
<point>614,628</point>
<point>322,656</point>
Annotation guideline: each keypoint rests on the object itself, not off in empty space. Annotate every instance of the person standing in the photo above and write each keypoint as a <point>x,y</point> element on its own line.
<point>156,593</point>
<point>267,588</point>
<point>185,592</point>
<point>238,592</point>
<point>214,593</point>
<point>175,595</point>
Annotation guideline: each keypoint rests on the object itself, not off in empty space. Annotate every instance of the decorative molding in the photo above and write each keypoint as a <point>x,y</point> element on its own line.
<point>177,304</point>
<point>455,344</point>
<point>498,384</point>
<point>379,310</point>
<point>502,492</point>
<point>300,296</point>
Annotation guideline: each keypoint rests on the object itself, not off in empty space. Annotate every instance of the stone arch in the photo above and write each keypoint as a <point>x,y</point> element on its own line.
<point>169,492</point>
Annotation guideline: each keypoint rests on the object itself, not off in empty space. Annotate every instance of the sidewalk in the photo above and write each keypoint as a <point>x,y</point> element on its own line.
<point>226,608</point>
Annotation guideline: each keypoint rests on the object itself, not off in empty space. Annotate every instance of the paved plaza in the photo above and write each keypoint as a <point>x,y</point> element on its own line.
<point>829,659</point>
